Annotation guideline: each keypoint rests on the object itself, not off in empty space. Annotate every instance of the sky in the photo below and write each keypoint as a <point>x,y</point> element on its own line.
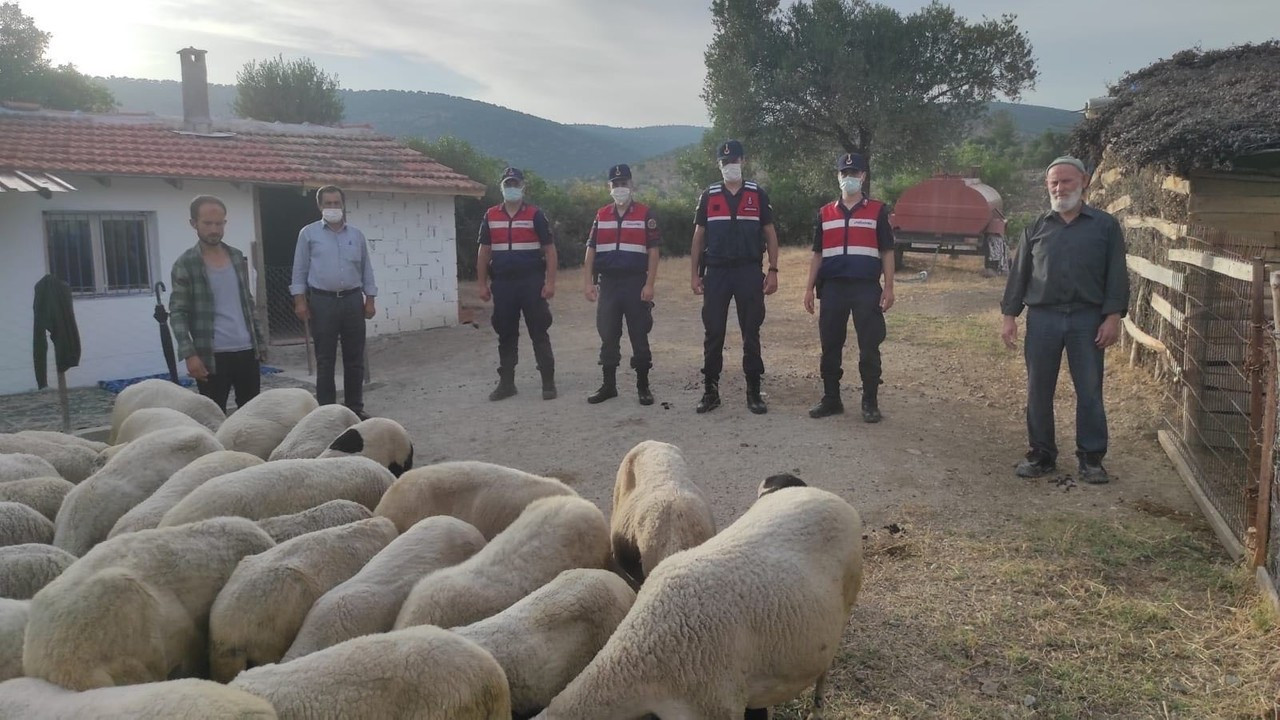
<point>584,61</point>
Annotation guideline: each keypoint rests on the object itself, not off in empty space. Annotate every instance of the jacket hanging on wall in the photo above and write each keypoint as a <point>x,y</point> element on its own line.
<point>55,315</point>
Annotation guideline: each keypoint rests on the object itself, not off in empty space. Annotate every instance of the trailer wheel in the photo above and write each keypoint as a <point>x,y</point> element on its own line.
<point>995,254</point>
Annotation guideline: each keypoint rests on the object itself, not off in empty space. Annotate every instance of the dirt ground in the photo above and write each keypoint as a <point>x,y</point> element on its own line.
<point>986,595</point>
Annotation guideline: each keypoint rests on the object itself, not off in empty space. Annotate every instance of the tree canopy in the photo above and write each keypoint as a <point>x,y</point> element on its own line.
<point>293,91</point>
<point>27,75</point>
<point>825,76</point>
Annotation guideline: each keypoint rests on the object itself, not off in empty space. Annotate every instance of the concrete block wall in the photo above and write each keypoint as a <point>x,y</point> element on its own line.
<point>413,245</point>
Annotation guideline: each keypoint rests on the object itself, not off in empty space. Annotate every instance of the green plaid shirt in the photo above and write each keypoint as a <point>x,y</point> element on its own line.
<point>191,305</point>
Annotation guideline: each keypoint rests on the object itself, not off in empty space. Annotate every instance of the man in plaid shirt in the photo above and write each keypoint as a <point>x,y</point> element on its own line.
<point>211,311</point>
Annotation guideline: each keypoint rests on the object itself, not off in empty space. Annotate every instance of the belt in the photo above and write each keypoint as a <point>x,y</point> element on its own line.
<point>331,293</point>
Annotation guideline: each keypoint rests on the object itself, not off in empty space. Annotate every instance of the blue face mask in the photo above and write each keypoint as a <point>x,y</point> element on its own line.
<point>851,185</point>
<point>512,194</point>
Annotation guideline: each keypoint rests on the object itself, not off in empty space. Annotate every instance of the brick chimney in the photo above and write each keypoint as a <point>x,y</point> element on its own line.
<point>195,91</point>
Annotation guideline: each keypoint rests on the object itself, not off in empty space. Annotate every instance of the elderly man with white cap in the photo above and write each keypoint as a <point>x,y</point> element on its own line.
<point>1070,274</point>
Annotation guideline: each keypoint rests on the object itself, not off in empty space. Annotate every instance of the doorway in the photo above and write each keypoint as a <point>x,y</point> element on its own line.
<point>283,212</point>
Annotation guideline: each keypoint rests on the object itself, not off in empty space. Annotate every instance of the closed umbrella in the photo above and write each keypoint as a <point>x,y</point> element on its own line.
<point>166,340</point>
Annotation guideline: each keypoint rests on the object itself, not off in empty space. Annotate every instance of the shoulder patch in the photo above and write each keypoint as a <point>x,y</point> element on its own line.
<point>652,224</point>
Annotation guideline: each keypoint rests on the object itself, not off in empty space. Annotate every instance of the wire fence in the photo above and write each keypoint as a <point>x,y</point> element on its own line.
<point>284,328</point>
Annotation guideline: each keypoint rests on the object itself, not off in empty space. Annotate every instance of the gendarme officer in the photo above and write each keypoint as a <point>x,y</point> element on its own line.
<point>518,254</point>
<point>622,251</point>
<point>852,250</point>
<point>733,229</point>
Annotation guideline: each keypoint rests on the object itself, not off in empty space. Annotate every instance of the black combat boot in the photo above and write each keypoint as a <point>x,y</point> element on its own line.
<point>755,403</point>
<point>506,385</point>
<point>642,387</point>
<point>830,403</point>
<point>710,397</point>
<point>549,384</point>
<point>608,389</point>
<point>870,408</point>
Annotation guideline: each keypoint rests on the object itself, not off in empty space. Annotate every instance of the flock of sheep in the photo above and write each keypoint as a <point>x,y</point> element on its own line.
<point>287,561</point>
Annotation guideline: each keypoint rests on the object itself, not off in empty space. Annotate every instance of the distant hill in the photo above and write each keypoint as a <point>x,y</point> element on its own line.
<point>554,150</point>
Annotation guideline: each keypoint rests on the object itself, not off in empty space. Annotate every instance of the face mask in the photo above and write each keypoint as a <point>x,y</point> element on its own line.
<point>851,185</point>
<point>512,194</point>
<point>1068,202</point>
<point>621,195</point>
<point>331,215</point>
<point>731,172</point>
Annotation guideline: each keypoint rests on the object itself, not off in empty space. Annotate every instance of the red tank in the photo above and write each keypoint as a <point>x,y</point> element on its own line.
<point>952,214</point>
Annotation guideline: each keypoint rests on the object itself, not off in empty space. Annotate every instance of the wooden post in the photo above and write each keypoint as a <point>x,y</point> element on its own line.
<point>1267,479</point>
<point>1257,362</point>
<point>1192,356</point>
<point>63,402</point>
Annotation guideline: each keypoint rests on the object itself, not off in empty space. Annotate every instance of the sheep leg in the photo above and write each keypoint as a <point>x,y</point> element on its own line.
<point>819,703</point>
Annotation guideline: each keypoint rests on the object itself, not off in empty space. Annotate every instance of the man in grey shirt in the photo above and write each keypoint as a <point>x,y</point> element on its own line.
<point>333,288</point>
<point>1070,273</point>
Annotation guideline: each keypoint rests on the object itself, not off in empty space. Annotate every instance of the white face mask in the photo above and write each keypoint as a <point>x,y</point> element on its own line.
<point>332,215</point>
<point>731,172</point>
<point>851,185</point>
<point>1066,202</point>
<point>512,194</point>
<point>621,195</point>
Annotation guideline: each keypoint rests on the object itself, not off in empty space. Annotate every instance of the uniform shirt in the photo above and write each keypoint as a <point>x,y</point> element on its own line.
<point>1070,265</point>
<point>727,241</point>
<point>605,261</point>
<point>332,260</point>
<point>517,261</point>
<point>884,230</point>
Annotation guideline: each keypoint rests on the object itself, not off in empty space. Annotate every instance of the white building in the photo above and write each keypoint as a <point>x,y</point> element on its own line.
<point>107,210</point>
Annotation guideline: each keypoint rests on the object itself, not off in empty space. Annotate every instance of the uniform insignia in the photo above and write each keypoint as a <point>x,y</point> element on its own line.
<point>652,224</point>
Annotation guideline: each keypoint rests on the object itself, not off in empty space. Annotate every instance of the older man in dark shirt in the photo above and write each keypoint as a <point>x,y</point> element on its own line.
<point>1070,273</point>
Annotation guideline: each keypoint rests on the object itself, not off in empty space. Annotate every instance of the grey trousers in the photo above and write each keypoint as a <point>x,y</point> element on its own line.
<point>334,321</point>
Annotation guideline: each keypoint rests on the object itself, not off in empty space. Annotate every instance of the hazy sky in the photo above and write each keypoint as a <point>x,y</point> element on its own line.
<point>583,61</point>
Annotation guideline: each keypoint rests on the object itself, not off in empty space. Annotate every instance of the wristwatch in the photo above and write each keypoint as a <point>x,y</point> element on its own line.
<point>773,269</point>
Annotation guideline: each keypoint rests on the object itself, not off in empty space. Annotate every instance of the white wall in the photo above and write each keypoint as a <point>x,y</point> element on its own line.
<point>119,338</point>
<point>412,242</point>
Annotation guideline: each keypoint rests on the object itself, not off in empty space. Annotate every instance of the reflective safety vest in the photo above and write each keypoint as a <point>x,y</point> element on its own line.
<point>622,245</point>
<point>515,244</point>
<point>850,248</point>
<point>734,238</point>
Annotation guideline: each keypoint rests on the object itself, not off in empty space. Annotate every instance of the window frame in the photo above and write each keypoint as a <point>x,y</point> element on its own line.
<point>97,248</point>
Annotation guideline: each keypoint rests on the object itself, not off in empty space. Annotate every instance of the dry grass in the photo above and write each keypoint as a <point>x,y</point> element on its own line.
<point>1064,616</point>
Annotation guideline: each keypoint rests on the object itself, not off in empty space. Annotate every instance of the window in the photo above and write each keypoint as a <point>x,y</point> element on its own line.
<point>100,253</point>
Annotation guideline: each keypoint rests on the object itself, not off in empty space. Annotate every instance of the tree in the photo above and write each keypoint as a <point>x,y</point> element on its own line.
<point>27,75</point>
<point>828,76</point>
<point>294,91</point>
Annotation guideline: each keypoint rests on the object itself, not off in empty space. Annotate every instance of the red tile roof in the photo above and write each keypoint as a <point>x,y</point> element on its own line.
<point>243,151</point>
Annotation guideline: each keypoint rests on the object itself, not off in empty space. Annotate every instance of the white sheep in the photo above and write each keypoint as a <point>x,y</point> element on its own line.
<point>136,608</point>
<point>90,510</point>
<point>380,439</point>
<point>283,487</point>
<point>22,466</point>
<point>368,602</point>
<point>146,514</point>
<point>65,438</point>
<point>314,433</point>
<point>748,619</point>
<point>33,699</point>
<point>162,393</point>
<point>25,569</point>
<point>552,535</point>
<point>325,515</point>
<point>423,673</point>
<point>658,509</point>
<point>546,639</point>
<point>489,497</point>
<point>21,524</point>
<point>257,614</point>
<point>13,626</point>
<point>70,462</point>
<point>147,420</point>
<point>44,494</point>
<point>259,426</point>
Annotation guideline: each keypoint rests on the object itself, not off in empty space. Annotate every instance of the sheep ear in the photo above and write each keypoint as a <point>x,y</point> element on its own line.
<point>350,442</point>
<point>627,474</point>
<point>778,482</point>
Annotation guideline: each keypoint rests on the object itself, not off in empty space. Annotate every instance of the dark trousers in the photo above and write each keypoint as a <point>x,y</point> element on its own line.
<point>1049,332</point>
<point>335,320</point>
<point>744,284</point>
<point>620,299</point>
<point>840,299</point>
<point>234,369</point>
<point>513,297</point>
